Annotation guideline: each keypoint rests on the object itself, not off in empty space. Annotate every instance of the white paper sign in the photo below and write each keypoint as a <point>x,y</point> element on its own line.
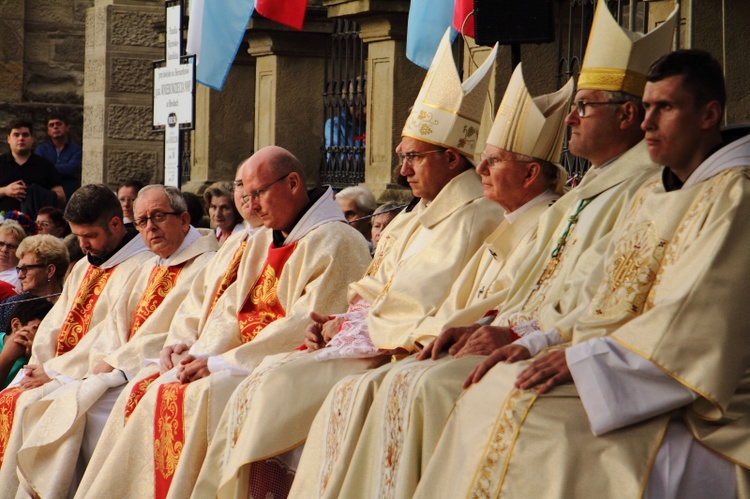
<point>173,93</point>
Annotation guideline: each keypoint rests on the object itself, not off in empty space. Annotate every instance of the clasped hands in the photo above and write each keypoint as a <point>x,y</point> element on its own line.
<point>321,331</point>
<point>189,367</point>
<point>544,373</point>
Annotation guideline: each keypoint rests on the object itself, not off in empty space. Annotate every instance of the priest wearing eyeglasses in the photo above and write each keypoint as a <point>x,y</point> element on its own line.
<point>117,347</point>
<point>418,257</point>
<point>303,259</point>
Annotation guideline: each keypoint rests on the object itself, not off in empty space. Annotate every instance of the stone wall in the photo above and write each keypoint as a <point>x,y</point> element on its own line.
<point>122,42</point>
<point>42,62</point>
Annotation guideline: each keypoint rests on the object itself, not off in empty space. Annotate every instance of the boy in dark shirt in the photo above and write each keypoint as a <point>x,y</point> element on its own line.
<point>16,345</point>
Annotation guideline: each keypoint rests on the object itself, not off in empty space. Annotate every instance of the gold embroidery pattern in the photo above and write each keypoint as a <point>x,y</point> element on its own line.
<point>8,399</point>
<point>264,291</point>
<point>538,295</point>
<point>686,229</point>
<point>384,247</point>
<point>168,433</point>
<point>244,394</point>
<point>137,393</point>
<point>261,306</point>
<point>76,324</point>
<point>396,424</point>
<point>490,473</point>
<point>467,141</point>
<point>160,282</point>
<point>340,411</point>
<point>631,273</point>
<point>230,275</point>
<point>384,292</point>
<point>393,431</point>
<point>614,80</point>
<point>423,122</point>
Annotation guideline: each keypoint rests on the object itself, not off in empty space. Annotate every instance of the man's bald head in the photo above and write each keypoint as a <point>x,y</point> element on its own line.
<point>274,185</point>
<point>278,161</point>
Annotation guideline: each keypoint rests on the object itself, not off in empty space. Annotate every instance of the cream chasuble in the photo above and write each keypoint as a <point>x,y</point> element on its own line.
<point>324,260</point>
<point>482,286</point>
<point>408,399</point>
<point>120,266</point>
<point>53,427</point>
<point>429,245</point>
<point>669,290</point>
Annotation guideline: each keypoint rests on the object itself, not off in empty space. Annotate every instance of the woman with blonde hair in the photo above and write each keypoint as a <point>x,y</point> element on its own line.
<point>11,235</point>
<point>42,264</point>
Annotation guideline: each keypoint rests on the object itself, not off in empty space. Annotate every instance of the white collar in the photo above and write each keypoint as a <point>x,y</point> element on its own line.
<point>546,196</point>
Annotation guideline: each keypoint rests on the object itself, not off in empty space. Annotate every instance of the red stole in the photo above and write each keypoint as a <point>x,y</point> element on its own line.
<point>230,275</point>
<point>139,390</point>
<point>76,324</point>
<point>169,434</point>
<point>74,327</point>
<point>8,398</point>
<point>137,393</point>
<point>160,283</point>
<point>261,307</point>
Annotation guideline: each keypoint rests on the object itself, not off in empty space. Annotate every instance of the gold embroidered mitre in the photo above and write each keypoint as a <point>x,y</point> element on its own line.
<point>618,59</point>
<point>532,126</point>
<point>446,112</point>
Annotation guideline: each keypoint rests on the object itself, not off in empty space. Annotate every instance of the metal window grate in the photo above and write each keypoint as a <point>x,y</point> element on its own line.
<point>344,107</point>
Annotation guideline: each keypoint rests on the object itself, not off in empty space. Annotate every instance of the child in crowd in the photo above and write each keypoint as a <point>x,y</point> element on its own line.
<point>16,345</point>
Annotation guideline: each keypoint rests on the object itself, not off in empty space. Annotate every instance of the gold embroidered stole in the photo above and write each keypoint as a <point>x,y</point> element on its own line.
<point>160,282</point>
<point>230,275</point>
<point>169,434</point>
<point>262,306</point>
<point>529,310</point>
<point>139,390</point>
<point>8,399</point>
<point>78,320</point>
<point>137,393</point>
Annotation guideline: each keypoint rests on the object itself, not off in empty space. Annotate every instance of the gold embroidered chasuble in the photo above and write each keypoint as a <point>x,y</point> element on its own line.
<point>74,328</point>
<point>668,290</point>
<point>482,286</point>
<point>458,215</point>
<point>432,244</point>
<point>555,302</point>
<point>550,294</point>
<point>47,337</point>
<point>77,323</point>
<point>484,282</point>
<point>316,276</point>
<point>261,307</point>
<point>52,426</point>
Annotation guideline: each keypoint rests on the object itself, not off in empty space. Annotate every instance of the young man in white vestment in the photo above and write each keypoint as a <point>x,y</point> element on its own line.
<point>420,254</point>
<point>71,418</point>
<point>390,452</point>
<point>93,289</point>
<point>303,259</point>
<point>649,396</point>
<point>518,169</point>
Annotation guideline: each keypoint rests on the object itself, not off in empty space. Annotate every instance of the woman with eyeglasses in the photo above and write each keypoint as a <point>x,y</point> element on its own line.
<point>42,263</point>
<point>11,235</point>
<point>49,220</point>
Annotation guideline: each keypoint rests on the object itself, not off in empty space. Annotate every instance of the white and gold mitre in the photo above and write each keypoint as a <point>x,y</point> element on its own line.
<point>446,112</point>
<point>618,59</point>
<point>532,126</point>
